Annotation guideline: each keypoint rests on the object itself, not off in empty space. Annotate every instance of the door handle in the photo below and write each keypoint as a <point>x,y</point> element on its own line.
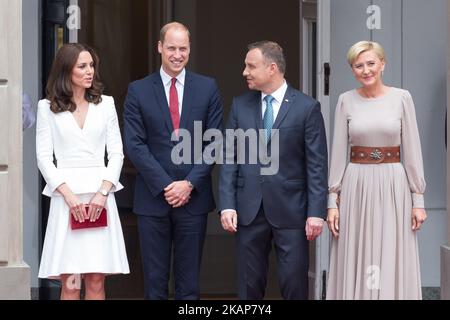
<point>327,72</point>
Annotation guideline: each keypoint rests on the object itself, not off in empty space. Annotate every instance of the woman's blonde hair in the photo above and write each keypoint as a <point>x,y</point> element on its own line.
<point>363,46</point>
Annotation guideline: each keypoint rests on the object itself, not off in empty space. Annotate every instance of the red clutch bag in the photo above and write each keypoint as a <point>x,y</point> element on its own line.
<point>100,222</point>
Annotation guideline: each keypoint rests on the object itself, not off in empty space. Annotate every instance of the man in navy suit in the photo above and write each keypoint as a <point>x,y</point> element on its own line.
<point>171,200</point>
<point>285,206</point>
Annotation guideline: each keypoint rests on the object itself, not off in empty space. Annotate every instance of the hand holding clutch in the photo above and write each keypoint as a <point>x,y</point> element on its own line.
<point>100,222</point>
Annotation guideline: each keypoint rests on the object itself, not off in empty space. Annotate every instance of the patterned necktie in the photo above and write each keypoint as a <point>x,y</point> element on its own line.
<point>174,105</point>
<point>268,116</point>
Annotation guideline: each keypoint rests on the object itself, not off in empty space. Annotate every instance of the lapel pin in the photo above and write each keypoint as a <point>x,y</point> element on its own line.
<point>286,100</point>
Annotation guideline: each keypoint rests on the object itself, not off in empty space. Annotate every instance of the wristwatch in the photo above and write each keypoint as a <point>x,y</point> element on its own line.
<point>103,192</point>
<point>190,184</point>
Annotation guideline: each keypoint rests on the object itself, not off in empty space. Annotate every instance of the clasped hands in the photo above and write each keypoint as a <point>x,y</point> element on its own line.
<point>77,208</point>
<point>178,193</point>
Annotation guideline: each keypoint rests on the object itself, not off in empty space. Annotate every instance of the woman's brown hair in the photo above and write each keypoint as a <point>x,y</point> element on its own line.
<point>59,85</point>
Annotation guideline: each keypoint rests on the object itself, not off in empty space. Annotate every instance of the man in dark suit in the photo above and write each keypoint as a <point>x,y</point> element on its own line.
<point>171,199</point>
<point>288,205</point>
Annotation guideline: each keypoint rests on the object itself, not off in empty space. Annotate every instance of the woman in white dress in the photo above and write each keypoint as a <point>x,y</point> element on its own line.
<point>75,124</point>
<point>375,202</point>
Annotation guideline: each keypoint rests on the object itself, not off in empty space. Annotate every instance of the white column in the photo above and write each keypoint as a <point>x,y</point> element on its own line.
<point>14,273</point>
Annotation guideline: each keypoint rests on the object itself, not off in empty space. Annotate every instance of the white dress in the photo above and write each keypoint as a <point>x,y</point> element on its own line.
<point>79,155</point>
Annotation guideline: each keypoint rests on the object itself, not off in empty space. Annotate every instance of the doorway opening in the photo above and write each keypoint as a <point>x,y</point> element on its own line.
<point>125,35</point>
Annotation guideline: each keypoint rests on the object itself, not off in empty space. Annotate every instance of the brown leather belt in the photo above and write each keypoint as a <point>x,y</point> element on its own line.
<point>371,155</point>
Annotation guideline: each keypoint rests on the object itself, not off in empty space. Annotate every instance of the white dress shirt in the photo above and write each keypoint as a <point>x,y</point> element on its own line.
<point>278,96</point>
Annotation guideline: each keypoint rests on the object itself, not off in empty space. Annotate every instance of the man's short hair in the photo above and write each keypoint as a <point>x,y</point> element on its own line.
<point>272,52</point>
<point>172,25</point>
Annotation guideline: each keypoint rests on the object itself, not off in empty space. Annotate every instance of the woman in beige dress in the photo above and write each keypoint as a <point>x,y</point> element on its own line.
<point>376,203</point>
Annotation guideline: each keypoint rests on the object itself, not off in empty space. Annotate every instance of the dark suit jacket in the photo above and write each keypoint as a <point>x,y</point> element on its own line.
<point>148,128</point>
<point>299,189</point>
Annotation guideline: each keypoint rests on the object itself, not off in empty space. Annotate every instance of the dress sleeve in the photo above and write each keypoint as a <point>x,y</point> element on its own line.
<point>44,147</point>
<point>114,145</point>
<point>339,153</point>
<point>412,154</point>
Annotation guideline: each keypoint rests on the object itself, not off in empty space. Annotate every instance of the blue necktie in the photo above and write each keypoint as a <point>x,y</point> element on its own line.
<point>268,116</point>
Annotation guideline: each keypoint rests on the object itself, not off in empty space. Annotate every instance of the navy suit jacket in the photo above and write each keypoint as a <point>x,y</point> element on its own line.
<point>299,189</point>
<point>147,131</point>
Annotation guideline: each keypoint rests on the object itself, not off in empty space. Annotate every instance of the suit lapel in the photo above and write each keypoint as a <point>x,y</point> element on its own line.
<point>188,98</point>
<point>257,110</point>
<point>160,95</point>
<point>284,108</point>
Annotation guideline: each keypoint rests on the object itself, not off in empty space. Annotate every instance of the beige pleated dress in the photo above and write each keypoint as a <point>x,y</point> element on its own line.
<point>376,254</point>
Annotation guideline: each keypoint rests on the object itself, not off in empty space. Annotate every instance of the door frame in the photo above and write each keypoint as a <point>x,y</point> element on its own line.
<point>323,56</point>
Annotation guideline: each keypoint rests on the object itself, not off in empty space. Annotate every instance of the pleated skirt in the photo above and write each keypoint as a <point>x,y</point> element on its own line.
<point>376,254</point>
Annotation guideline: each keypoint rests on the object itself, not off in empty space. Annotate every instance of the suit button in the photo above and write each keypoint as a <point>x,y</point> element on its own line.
<point>261,179</point>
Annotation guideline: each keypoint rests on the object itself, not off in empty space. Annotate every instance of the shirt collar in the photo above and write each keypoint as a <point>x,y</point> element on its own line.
<point>278,94</point>
<point>166,79</point>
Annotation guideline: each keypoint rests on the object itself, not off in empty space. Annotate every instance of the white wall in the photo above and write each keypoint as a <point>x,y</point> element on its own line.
<point>31,14</point>
<point>414,35</point>
<point>424,74</point>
